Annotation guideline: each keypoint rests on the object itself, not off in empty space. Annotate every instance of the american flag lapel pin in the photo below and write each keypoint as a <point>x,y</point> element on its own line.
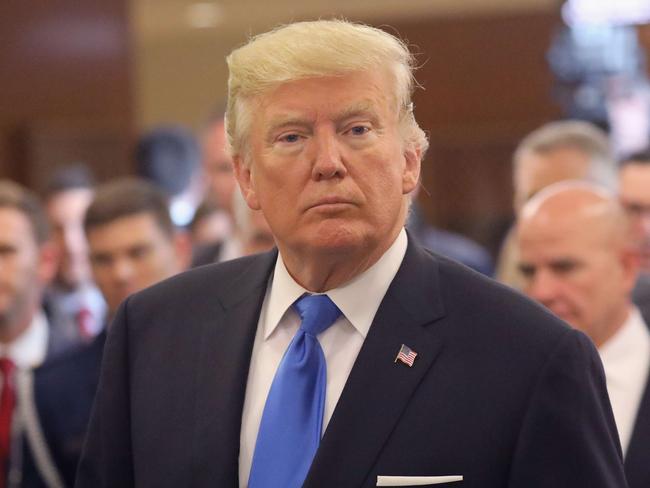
<point>406,355</point>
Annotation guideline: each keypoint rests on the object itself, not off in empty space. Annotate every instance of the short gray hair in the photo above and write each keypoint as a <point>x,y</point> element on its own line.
<point>574,134</point>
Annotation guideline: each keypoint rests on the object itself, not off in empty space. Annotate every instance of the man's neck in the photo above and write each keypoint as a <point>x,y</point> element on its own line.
<point>619,322</point>
<point>320,272</point>
<point>11,330</point>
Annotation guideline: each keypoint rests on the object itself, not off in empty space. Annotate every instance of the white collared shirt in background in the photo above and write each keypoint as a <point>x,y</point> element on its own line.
<point>626,359</point>
<point>358,301</point>
<point>29,349</point>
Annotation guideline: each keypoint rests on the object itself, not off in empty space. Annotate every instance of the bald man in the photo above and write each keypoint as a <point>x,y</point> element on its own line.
<point>576,262</point>
<point>557,151</point>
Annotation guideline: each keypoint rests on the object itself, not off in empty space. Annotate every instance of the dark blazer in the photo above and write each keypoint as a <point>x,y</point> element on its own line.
<point>637,467</point>
<point>64,390</point>
<point>63,333</point>
<point>502,392</point>
<point>641,296</point>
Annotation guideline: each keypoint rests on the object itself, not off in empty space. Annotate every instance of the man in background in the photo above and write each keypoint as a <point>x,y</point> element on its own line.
<point>250,234</point>
<point>216,163</point>
<point>30,335</point>
<point>634,193</point>
<point>67,197</point>
<point>169,157</point>
<point>575,259</point>
<point>133,244</point>
<point>557,151</point>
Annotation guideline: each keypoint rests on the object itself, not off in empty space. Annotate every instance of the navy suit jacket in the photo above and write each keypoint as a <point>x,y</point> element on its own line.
<point>637,467</point>
<point>502,392</point>
<point>64,390</point>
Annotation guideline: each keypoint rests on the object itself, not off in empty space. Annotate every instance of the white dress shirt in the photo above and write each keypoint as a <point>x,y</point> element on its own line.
<point>626,359</point>
<point>28,350</point>
<point>358,301</point>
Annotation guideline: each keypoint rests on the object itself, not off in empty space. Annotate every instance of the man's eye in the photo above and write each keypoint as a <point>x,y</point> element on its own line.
<point>359,130</point>
<point>527,271</point>
<point>290,138</point>
<point>565,267</point>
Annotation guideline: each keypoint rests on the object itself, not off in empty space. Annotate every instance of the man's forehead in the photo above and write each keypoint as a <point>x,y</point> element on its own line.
<point>635,177</point>
<point>136,226</point>
<point>14,221</point>
<point>288,113</point>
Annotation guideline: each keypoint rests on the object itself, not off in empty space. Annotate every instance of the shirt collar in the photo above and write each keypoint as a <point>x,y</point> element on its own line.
<point>372,285</point>
<point>629,345</point>
<point>28,350</point>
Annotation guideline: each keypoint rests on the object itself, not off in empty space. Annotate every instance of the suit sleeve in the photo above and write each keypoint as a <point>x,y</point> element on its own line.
<point>107,460</point>
<point>568,436</point>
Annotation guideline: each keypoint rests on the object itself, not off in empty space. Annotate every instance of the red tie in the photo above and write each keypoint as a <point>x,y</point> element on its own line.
<point>84,319</point>
<point>7,402</point>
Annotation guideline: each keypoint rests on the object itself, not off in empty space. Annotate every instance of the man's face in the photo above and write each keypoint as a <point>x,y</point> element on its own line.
<point>634,188</point>
<point>66,211</point>
<point>218,167</point>
<point>129,254</point>
<point>25,267</point>
<point>329,167</point>
<point>578,272</point>
<point>536,171</point>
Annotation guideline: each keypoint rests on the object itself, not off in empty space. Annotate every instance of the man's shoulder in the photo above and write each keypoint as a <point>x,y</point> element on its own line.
<point>486,310</point>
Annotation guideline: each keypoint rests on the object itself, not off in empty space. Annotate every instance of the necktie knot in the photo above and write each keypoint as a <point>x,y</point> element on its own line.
<point>317,313</point>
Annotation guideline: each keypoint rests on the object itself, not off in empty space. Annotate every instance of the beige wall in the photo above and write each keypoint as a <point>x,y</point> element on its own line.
<point>180,72</point>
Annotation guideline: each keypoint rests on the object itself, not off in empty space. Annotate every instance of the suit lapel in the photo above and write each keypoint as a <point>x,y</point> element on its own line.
<point>228,326</point>
<point>637,469</point>
<point>378,389</point>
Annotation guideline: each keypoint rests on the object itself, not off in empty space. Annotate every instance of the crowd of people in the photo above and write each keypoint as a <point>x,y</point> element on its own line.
<point>580,247</point>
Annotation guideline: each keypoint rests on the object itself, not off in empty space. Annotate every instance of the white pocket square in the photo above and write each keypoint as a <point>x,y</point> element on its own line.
<point>416,480</point>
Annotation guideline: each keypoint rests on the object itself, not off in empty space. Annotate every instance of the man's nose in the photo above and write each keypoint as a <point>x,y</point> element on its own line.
<point>122,271</point>
<point>543,287</point>
<point>328,161</point>
<point>644,225</point>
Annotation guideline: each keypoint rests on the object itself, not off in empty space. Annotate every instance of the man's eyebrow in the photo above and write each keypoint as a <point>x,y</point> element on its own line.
<point>364,107</point>
<point>282,121</point>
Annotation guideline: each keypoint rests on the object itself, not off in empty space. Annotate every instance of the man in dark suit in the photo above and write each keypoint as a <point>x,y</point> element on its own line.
<point>133,244</point>
<point>31,332</point>
<point>576,260</point>
<point>634,188</point>
<point>406,364</point>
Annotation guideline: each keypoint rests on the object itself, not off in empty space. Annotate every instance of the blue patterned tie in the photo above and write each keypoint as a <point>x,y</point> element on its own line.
<point>292,421</point>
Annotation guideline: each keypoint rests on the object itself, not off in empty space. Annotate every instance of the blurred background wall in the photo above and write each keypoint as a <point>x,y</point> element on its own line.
<point>80,81</point>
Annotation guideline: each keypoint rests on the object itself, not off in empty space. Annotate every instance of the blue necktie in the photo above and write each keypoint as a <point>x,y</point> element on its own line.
<point>292,421</point>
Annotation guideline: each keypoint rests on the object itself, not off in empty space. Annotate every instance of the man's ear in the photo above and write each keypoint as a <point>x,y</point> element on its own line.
<point>244,175</point>
<point>411,172</point>
<point>631,265</point>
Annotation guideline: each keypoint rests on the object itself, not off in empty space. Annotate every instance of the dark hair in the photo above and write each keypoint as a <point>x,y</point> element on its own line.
<point>126,197</point>
<point>13,195</point>
<point>168,156</point>
<point>641,157</point>
<point>73,177</point>
<point>205,209</point>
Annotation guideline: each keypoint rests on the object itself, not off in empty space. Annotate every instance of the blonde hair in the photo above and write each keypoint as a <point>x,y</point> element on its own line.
<point>310,50</point>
